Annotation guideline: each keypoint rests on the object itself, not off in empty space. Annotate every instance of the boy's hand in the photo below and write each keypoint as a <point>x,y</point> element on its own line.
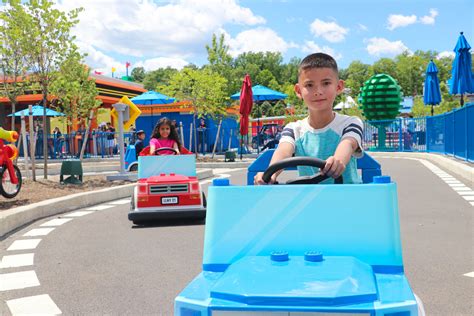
<point>258,179</point>
<point>334,167</point>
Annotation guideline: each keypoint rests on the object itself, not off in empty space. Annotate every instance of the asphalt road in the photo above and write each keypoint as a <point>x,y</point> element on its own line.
<point>99,264</point>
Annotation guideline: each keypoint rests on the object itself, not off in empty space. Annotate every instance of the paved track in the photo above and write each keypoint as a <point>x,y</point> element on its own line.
<point>98,264</point>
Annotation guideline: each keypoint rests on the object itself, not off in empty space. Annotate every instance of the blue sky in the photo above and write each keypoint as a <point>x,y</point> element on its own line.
<point>160,33</point>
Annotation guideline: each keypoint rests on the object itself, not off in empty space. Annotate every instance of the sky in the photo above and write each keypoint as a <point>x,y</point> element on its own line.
<point>158,33</point>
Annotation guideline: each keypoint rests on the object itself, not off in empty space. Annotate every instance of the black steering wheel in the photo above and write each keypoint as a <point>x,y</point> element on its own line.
<point>157,151</point>
<point>300,161</point>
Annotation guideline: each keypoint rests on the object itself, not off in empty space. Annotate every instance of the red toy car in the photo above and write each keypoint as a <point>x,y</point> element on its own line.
<point>167,188</point>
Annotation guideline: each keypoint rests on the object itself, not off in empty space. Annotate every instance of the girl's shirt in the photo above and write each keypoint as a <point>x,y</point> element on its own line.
<point>163,142</point>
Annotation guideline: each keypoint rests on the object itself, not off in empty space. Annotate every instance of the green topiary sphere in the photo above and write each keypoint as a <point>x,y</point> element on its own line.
<point>380,97</point>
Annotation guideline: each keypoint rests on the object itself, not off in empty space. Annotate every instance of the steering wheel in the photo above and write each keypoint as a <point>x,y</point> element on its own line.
<point>300,161</point>
<point>157,151</point>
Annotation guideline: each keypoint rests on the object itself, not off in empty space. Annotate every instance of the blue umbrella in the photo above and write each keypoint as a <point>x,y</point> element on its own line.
<point>432,93</point>
<point>37,111</point>
<point>262,93</point>
<point>152,97</point>
<point>461,81</point>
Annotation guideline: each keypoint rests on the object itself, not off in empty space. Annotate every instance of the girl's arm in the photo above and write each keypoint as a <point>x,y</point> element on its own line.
<point>152,147</point>
<point>175,146</point>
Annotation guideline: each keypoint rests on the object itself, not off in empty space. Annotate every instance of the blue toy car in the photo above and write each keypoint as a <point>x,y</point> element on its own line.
<point>303,249</point>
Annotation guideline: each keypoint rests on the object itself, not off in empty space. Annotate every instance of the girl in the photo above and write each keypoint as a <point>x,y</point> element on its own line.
<point>164,135</point>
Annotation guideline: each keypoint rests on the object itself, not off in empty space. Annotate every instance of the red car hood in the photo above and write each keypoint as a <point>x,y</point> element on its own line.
<point>167,178</point>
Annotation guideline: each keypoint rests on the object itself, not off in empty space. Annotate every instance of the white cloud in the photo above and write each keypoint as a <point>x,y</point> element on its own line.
<point>429,19</point>
<point>150,30</point>
<point>398,20</point>
<point>162,62</point>
<point>311,47</point>
<point>446,54</point>
<point>382,47</point>
<point>330,31</point>
<point>256,40</point>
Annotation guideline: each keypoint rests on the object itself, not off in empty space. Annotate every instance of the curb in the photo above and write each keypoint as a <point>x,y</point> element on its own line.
<point>460,168</point>
<point>15,218</point>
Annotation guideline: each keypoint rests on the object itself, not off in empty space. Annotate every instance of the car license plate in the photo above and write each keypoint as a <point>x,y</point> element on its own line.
<point>169,200</point>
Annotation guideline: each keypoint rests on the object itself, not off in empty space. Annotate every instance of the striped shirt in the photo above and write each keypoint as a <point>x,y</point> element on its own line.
<point>322,143</point>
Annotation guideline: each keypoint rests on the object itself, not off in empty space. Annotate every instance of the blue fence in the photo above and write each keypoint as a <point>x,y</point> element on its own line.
<point>449,133</point>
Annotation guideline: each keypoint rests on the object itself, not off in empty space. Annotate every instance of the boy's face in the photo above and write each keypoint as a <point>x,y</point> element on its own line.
<point>141,136</point>
<point>318,87</point>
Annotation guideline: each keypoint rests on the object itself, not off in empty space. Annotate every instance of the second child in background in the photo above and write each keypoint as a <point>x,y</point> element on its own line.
<point>164,135</point>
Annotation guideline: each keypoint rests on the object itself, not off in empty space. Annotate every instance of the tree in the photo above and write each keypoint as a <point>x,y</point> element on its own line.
<point>158,77</point>
<point>138,74</point>
<point>12,60</point>
<point>75,92</point>
<point>48,43</point>
<point>357,74</point>
<point>204,88</point>
<point>264,78</point>
<point>218,56</point>
<point>385,66</point>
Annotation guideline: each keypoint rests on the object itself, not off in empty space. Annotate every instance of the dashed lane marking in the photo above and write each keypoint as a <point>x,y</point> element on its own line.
<point>119,202</point>
<point>38,232</point>
<point>468,198</point>
<point>18,280</point>
<point>470,274</point>
<point>24,244</point>
<point>470,192</point>
<point>14,261</point>
<point>99,207</point>
<point>78,213</point>
<point>33,305</point>
<point>57,222</point>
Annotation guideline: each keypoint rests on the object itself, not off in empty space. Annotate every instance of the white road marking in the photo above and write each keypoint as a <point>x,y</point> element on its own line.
<point>470,192</point>
<point>454,183</point>
<point>119,202</point>
<point>14,261</point>
<point>99,207</point>
<point>461,189</point>
<point>78,213</point>
<point>33,305</point>
<point>18,280</point>
<point>470,274</point>
<point>57,222</point>
<point>24,244</point>
<point>39,232</point>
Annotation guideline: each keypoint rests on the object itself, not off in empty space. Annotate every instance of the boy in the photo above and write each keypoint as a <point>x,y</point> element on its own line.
<point>324,134</point>
<point>139,145</point>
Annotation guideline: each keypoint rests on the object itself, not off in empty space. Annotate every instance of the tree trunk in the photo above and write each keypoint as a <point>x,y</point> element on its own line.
<point>86,135</point>
<point>45,138</point>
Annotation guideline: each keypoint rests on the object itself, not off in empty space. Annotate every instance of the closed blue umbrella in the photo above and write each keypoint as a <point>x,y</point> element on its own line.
<point>262,93</point>
<point>461,81</point>
<point>432,93</point>
<point>152,97</point>
<point>37,111</point>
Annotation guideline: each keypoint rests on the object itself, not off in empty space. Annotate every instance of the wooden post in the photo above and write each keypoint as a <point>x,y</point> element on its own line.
<point>217,138</point>
<point>85,138</point>
<point>25,147</point>
<point>191,137</point>
<point>181,132</point>
<point>32,141</point>
<point>230,139</point>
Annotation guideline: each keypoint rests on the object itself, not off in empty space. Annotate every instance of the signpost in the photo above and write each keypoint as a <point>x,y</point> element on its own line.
<point>124,113</point>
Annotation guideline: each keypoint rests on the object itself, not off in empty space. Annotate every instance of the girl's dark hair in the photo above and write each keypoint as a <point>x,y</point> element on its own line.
<point>173,132</point>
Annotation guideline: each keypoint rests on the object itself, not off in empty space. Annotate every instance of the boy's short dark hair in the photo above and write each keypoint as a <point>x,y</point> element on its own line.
<point>140,132</point>
<point>318,60</point>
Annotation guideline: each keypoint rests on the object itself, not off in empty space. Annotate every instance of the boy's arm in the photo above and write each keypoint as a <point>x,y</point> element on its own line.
<point>335,165</point>
<point>284,150</point>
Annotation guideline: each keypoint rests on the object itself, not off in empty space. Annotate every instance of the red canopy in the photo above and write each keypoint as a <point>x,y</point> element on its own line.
<point>246,102</point>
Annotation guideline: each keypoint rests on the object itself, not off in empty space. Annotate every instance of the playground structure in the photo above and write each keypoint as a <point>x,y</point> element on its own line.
<point>10,175</point>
